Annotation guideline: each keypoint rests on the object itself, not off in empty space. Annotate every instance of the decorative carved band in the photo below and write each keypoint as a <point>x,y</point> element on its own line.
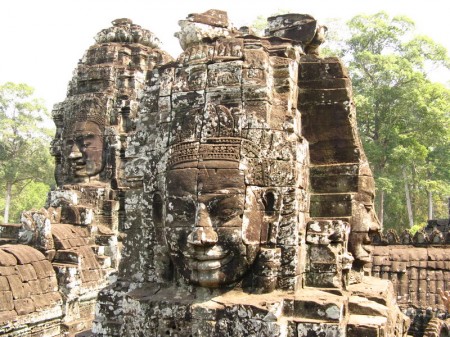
<point>224,148</point>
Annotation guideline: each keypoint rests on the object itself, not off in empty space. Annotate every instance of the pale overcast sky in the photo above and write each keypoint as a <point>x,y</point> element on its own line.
<point>42,40</point>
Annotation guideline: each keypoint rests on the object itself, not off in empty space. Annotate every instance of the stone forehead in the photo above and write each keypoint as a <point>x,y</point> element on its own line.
<point>87,128</point>
<point>191,181</point>
<point>89,110</point>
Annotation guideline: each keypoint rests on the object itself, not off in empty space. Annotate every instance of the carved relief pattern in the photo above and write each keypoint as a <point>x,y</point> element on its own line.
<point>225,199</point>
<point>81,229</point>
<point>222,194</point>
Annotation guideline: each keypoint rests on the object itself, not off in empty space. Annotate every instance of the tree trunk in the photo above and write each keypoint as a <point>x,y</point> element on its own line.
<point>408,199</point>
<point>381,208</point>
<point>7,202</point>
<point>430,205</point>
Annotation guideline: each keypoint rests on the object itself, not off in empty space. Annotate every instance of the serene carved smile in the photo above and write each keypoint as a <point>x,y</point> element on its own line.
<point>208,261</point>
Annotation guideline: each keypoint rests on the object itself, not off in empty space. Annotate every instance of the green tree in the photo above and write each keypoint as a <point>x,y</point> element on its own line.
<point>26,167</point>
<point>403,117</point>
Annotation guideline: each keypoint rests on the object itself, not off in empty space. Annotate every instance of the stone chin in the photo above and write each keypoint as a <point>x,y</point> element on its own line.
<point>207,279</point>
<point>363,255</point>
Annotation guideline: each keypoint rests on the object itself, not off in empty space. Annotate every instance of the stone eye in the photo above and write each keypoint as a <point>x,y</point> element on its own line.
<point>227,214</point>
<point>225,209</point>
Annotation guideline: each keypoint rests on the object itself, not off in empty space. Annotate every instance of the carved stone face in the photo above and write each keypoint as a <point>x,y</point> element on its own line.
<point>359,242</point>
<point>212,225</point>
<point>86,149</point>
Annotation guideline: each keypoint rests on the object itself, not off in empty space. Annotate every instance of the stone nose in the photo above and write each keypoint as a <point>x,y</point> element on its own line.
<point>75,152</point>
<point>375,226</point>
<point>203,233</point>
<point>202,236</point>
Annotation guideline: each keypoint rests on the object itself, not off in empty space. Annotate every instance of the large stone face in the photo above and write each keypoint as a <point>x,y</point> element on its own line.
<point>224,193</point>
<point>342,185</point>
<point>252,187</point>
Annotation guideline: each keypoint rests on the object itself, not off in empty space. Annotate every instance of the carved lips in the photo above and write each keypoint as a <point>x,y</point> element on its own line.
<point>211,259</point>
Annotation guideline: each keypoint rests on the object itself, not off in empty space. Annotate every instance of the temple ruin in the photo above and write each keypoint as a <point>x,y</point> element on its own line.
<point>224,192</point>
<point>80,231</point>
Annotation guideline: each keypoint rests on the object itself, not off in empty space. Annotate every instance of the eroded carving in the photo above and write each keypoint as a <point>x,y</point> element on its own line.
<point>243,208</point>
<point>223,241</point>
<point>81,229</point>
<point>212,229</point>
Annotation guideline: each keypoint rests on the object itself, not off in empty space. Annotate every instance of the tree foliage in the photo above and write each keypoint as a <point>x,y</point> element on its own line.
<point>26,167</point>
<point>403,117</point>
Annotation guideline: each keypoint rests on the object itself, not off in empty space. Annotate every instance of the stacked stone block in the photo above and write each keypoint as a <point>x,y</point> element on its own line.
<point>342,186</point>
<point>328,262</point>
<point>227,86</point>
<point>417,274</point>
<point>30,304</point>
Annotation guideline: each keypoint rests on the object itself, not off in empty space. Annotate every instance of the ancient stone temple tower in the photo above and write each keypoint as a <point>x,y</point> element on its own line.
<point>221,193</point>
<point>89,146</point>
<point>49,286</point>
<point>249,198</point>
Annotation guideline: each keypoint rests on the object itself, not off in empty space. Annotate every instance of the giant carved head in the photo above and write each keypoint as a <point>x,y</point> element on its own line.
<point>86,146</point>
<point>80,145</point>
<point>213,217</point>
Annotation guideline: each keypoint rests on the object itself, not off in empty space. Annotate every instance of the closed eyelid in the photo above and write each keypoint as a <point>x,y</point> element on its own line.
<point>230,203</point>
<point>230,217</point>
<point>228,208</point>
<point>228,212</point>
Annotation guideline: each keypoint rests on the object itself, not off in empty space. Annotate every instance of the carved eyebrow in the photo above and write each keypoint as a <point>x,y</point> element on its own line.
<point>215,199</point>
<point>234,190</point>
<point>231,202</point>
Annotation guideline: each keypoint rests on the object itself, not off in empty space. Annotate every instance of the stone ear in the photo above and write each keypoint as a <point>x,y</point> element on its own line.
<point>269,225</point>
<point>268,200</point>
<point>157,210</point>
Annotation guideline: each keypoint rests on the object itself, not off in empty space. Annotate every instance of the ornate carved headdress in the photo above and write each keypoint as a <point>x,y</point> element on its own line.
<point>89,109</point>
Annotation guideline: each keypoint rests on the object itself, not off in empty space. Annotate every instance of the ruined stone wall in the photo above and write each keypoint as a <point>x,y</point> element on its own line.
<point>225,122</point>
<point>80,230</point>
<point>418,266</point>
<point>30,303</point>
